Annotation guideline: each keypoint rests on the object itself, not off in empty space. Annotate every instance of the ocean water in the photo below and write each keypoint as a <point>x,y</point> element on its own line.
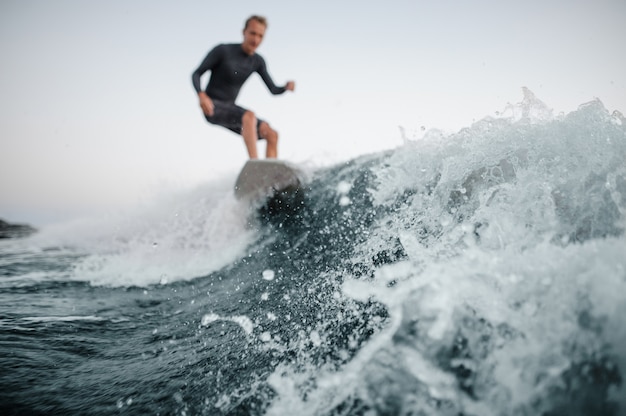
<point>475,273</point>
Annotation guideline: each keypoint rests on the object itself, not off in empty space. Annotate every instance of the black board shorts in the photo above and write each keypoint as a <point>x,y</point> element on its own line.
<point>229,115</point>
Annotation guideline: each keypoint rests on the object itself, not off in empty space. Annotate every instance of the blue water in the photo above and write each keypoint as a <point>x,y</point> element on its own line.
<point>476,273</point>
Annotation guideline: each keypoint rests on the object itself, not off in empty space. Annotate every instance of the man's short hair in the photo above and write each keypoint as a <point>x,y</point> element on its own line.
<point>262,20</point>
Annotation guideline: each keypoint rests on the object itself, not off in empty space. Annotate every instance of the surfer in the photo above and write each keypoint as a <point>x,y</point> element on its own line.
<point>230,66</point>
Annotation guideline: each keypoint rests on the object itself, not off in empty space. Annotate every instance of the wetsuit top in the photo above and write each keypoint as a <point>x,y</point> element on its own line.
<point>230,67</point>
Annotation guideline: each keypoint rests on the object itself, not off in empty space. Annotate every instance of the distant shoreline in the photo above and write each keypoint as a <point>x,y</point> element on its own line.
<point>8,230</point>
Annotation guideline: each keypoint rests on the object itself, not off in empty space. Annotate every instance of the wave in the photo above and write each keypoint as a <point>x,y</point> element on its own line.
<point>498,252</point>
<point>480,272</point>
<point>171,238</point>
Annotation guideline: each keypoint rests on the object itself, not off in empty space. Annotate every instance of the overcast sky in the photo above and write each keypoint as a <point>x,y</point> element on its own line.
<point>97,109</point>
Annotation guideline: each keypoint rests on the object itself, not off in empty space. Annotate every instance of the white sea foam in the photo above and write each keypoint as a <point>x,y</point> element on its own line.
<point>513,243</point>
<point>172,238</point>
<point>243,321</point>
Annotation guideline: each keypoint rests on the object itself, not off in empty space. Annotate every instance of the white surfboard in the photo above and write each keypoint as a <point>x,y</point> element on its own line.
<point>263,178</point>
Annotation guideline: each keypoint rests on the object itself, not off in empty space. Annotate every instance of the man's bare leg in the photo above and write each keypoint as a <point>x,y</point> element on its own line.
<point>249,133</point>
<point>271,137</point>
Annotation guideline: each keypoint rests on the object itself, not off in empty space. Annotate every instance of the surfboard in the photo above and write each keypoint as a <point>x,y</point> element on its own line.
<point>266,178</point>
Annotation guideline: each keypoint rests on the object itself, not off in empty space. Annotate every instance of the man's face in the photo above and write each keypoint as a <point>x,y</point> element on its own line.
<point>252,36</point>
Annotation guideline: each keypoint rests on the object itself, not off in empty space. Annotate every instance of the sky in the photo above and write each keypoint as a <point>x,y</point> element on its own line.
<point>97,109</point>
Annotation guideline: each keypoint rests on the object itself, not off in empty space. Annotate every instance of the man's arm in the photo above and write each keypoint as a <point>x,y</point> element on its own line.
<point>207,64</point>
<point>206,104</point>
<point>267,79</point>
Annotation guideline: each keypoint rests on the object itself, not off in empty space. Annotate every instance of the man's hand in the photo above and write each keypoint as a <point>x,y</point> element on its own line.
<point>206,104</point>
<point>291,86</point>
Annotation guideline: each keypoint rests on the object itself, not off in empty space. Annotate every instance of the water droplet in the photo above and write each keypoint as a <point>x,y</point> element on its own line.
<point>268,274</point>
<point>316,339</point>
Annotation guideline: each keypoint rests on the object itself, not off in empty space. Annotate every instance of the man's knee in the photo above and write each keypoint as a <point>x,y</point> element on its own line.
<point>268,133</point>
<point>248,119</point>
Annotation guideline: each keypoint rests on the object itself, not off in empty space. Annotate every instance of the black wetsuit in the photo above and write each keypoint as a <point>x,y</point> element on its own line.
<point>230,67</point>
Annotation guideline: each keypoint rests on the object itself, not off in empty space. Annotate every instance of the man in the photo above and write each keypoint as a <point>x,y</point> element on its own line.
<point>230,66</point>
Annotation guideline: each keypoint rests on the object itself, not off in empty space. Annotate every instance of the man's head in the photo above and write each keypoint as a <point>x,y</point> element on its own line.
<point>253,33</point>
